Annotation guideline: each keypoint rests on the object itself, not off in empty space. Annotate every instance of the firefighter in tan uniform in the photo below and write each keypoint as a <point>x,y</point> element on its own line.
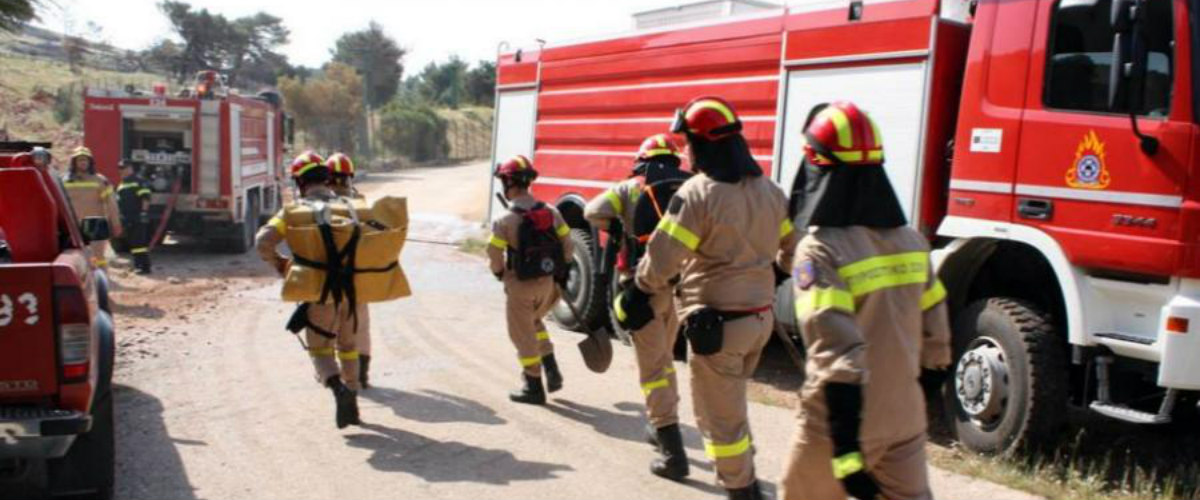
<point>342,182</point>
<point>723,233</point>
<point>529,251</point>
<point>658,158</point>
<point>330,334</point>
<point>92,196</point>
<point>874,321</point>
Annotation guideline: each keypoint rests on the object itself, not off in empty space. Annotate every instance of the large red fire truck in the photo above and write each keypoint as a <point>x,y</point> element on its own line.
<point>1066,219</point>
<point>213,158</point>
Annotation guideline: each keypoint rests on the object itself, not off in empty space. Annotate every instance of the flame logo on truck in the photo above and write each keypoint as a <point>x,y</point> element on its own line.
<point>1090,170</point>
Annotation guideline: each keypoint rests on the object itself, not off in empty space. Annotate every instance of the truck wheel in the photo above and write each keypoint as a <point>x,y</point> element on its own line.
<point>90,465</point>
<point>1008,385</point>
<point>583,289</point>
<point>244,240</point>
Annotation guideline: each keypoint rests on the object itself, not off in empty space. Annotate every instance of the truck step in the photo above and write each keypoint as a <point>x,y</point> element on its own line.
<point>1124,337</point>
<point>1130,415</point>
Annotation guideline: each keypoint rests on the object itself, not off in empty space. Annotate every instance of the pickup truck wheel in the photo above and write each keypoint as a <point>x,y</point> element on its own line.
<point>90,465</point>
<point>583,289</point>
<point>1007,389</point>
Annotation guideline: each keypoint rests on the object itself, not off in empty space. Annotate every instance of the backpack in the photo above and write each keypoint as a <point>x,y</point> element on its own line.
<point>649,209</point>
<point>539,251</point>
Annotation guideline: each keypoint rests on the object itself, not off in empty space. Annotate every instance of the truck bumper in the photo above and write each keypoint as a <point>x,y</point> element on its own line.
<point>39,433</point>
<point>1179,350</point>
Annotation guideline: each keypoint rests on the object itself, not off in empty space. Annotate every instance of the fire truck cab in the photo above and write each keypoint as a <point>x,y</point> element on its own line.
<point>213,158</point>
<point>1047,148</point>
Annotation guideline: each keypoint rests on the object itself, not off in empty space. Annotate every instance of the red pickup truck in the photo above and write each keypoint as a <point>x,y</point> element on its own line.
<point>56,340</point>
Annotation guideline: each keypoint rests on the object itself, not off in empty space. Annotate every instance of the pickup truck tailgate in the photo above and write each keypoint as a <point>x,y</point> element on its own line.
<point>28,352</point>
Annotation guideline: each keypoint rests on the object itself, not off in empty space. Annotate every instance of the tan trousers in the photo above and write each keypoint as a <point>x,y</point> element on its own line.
<point>339,355</point>
<point>654,345</point>
<point>364,330</point>
<point>719,393</point>
<point>527,303</point>
<point>99,253</point>
<point>899,468</point>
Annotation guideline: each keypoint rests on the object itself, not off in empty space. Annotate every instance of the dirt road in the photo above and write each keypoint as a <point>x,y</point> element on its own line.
<point>216,400</point>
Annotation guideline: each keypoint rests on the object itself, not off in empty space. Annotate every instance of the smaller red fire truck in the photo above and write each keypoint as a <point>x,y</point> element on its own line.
<point>213,158</point>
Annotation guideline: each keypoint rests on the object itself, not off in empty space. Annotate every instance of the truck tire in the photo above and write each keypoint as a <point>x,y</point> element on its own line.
<point>89,468</point>
<point>243,239</point>
<point>1007,389</point>
<point>583,289</point>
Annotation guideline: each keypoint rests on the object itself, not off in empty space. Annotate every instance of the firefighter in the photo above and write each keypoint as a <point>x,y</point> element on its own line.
<point>330,330</point>
<point>92,196</point>
<point>41,158</point>
<point>341,169</point>
<point>874,321</point>
<point>658,158</point>
<point>133,202</point>
<point>528,251</point>
<point>729,224</point>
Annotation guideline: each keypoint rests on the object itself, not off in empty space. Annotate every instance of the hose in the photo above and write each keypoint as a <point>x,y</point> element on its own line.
<point>166,218</point>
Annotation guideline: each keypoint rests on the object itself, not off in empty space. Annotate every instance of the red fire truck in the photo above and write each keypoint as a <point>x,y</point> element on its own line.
<point>212,158</point>
<point>1048,149</point>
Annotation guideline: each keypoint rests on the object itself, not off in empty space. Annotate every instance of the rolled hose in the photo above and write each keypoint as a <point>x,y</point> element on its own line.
<point>166,218</point>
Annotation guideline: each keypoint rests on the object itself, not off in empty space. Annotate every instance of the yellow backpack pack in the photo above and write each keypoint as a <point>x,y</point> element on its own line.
<point>345,249</point>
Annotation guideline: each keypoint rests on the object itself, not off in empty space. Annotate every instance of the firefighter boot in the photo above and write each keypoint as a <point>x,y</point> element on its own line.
<point>364,364</point>
<point>673,464</point>
<point>141,263</point>
<point>347,403</point>
<point>531,393</point>
<point>748,493</point>
<point>554,378</point>
<point>652,437</point>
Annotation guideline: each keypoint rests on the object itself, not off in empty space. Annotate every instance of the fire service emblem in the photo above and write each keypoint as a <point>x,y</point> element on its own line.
<point>1090,170</point>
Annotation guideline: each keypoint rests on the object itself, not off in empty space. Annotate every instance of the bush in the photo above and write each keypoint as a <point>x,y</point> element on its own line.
<point>68,104</point>
<point>414,130</point>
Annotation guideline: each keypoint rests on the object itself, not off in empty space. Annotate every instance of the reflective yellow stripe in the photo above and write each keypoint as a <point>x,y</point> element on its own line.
<point>543,335</point>
<point>102,262</point>
<point>878,136</point>
<point>649,387</point>
<point>662,141</point>
<point>786,228</point>
<point>847,464</point>
<point>885,271</point>
<point>819,299</point>
<point>348,355</point>
<point>320,352</point>
<point>279,225</point>
<point>127,185</point>
<point>143,191</point>
<point>108,192</point>
<point>527,362</point>
<point>498,242</point>
<point>617,309</point>
<point>81,184</point>
<point>658,152</point>
<point>727,450</point>
<point>563,230</point>
<point>875,155</point>
<point>303,170</point>
<point>842,122</point>
<point>680,233</point>
<point>521,161</point>
<point>933,296</point>
<point>614,200</point>
<point>715,105</point>
<point>139,250</point>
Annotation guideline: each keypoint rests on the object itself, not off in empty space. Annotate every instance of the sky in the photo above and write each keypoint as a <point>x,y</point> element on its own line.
<point>431,30</point>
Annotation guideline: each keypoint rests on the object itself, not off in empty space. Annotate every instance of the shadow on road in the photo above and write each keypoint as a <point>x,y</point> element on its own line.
<point>148,463</point>
<point>446,462</point>
<point>432,407</point>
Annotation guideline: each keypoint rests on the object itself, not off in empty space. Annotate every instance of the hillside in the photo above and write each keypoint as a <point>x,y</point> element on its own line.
<point>41,99</point>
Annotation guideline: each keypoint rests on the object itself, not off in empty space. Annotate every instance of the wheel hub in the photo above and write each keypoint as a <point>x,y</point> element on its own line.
<point>981,382</point>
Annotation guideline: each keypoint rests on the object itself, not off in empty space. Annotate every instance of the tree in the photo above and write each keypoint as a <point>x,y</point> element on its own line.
<point>415,131</point>
<point>377,57</point>
<point>14,13</point>
<point>328,106</point>
<point>246,45</point>
<point>481,84</point>
<point>445,84</point>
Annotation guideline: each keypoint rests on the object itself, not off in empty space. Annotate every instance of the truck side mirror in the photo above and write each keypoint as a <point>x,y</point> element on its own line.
<point>1127,74</point>
<point>95,229</point>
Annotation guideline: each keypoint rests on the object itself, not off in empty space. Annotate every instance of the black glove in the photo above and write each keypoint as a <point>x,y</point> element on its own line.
<point>499,276</point>
<point>780,275</point>
<point>931,382</point>
<point>633,308</point>
<point>845,417</point>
